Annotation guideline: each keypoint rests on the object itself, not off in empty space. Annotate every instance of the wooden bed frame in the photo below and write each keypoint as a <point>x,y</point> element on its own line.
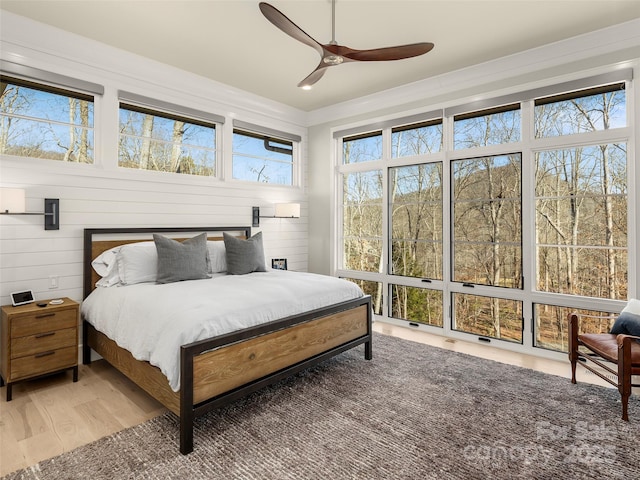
<point>217,371</point>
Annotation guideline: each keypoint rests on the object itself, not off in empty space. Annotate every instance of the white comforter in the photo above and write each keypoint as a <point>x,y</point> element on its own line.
<point>152,321</point>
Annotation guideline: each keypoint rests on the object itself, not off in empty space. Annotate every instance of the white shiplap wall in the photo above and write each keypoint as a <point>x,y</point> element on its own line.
<point>102,195</point>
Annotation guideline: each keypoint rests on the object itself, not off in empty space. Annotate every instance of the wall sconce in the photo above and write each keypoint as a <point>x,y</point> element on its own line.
<point>12,202</point>
<point>283,210</point>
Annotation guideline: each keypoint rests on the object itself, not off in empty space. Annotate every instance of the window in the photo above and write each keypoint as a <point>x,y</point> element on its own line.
<point>581,221</point>
<point>581,196</point>
<point>581,200</point>
<point>491,317</point>
<point>416,139</point>
<point>487,221</point>
<point>262,158</point>
<point>41,121</point>
<point>416,220</point>
<point>362,148</point>
<point>552,325</point>
<point>362,221</point>
<point>589,110</point>
<point>163,142</point>
<point>537,220</point>
<point>421,305</point>
<point>496,126</point>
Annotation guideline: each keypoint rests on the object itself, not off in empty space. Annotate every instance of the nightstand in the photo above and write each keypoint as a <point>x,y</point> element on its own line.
<point>37,341</point>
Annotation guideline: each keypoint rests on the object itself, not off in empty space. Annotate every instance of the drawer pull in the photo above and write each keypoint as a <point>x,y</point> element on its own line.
<point>44,354</point>
<point>48,334</point>
<point>46,315</point>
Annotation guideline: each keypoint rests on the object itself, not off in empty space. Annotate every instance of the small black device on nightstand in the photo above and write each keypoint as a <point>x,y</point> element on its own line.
<point>21,298</point>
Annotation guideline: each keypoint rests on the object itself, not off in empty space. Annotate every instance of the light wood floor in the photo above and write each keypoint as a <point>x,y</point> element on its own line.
<point>53,415</point>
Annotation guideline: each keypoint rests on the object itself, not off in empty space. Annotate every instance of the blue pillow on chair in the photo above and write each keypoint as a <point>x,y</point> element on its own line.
<point>628,322</point>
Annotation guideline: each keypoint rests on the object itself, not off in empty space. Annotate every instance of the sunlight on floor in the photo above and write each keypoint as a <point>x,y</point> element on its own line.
<point>552,367</point>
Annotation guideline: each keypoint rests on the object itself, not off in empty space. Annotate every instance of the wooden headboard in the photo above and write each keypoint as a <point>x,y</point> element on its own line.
<point>99,240</point>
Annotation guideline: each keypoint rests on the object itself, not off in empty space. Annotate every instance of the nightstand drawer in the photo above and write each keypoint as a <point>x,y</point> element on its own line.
<point>44,322</point>
<point>42,342</point>
<point>43,362</point>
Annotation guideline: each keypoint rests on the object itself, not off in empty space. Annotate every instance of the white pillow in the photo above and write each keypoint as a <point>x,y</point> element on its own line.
<point>217,256</point>
<point>137,263</point>
<point>632,306</point>
<point>105,261</point>
<point>106,266</point>
<point>110,279</point>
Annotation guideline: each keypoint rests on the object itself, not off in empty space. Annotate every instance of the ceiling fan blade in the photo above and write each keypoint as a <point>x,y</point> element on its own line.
<point>334,54</point>
<point>389,53</point>
<point>314,76</point>
<point>281,21</point>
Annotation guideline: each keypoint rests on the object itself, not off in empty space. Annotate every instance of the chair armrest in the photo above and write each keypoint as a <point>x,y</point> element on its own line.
<point>622,337</point>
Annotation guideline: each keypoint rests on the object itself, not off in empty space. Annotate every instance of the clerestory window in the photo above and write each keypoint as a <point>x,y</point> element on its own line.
<point>39,120</point>
<point>156,136</point>
<point>265,155</point>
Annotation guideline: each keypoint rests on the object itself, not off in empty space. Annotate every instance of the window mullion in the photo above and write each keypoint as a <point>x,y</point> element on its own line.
<point>528,223</point>
<point>447,225</point>
<point>617,135</point>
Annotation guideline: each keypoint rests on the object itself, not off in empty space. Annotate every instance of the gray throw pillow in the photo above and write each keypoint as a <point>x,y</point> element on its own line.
<point>244,256</point>
<point>179,261</point>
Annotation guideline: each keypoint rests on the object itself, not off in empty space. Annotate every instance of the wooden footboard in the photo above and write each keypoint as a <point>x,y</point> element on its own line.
<point>226,368</point>
<point>221,370</point>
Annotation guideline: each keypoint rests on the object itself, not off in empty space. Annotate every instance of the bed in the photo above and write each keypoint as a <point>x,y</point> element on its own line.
<point>215,368</point>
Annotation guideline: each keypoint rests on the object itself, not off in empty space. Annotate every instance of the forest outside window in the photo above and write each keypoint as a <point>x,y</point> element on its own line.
<point>416,139</point>
<point>495,126</point>
<point>589,110</point>
<point>418,305</point>
<point>487,221</point>
<point>163,142</point>
<point>365,147</point>
<point>490,317</point>
<point>362,221</point>
<point>582,207</point>
<point>581,221</point>
<point>416,220</point>
<point>40,121</point>
<point>552,329</point>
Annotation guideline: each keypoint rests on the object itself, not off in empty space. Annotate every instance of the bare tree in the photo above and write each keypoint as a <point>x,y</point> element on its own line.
<point>147,130</point>
<point>176,151</point>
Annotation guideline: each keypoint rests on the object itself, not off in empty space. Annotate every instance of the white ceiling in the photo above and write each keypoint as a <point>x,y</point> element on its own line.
<point>231,42</point>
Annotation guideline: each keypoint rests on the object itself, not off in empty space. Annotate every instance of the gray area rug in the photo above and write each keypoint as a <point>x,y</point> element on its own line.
<point>413,412</point>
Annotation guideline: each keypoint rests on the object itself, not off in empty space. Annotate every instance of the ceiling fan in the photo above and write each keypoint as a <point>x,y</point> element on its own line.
<point>333,54</point>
